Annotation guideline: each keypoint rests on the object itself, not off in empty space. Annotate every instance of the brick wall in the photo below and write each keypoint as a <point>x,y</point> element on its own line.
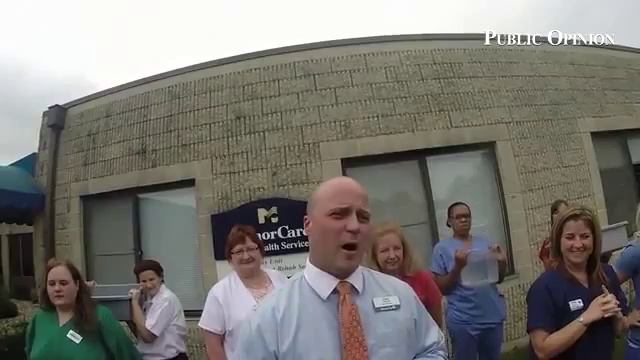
<point>261,128</point>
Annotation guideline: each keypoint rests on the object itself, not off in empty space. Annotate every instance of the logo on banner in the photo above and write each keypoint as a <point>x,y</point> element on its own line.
<point>264,214</point>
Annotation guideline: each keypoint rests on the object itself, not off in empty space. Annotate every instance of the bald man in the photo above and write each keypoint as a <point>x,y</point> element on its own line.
<point>337,309</point>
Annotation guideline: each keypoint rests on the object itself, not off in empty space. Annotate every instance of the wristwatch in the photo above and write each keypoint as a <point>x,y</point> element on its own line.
<point>581,320</point>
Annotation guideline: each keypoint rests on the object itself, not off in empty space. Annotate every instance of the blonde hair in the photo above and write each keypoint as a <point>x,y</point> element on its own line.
<point>409,262</point>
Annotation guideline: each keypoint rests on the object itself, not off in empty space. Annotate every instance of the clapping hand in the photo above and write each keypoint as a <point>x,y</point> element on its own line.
<point>633,319</point>
<point>498,253</point>
<point>604,306</point>
<point>461,257</point>
<point>611,305</point>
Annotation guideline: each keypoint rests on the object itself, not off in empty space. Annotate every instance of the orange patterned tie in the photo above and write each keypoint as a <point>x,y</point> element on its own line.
<point>354,344</point>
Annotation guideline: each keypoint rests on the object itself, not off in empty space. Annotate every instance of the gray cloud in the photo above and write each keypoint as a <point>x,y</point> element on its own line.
<point>25,93</point>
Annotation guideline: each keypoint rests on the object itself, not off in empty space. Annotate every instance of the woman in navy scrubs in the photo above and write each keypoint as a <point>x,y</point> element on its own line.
<point>575,311</point>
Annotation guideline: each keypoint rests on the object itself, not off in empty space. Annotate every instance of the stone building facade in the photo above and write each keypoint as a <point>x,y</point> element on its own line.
<point>278,122</point>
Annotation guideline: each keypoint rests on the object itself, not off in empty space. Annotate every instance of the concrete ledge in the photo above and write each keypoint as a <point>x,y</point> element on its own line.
<point>148,177</point>
<point>385,144</point>
<point>608,123</point>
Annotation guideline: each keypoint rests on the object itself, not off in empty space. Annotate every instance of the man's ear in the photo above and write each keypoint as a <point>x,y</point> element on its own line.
<point>306,222</point>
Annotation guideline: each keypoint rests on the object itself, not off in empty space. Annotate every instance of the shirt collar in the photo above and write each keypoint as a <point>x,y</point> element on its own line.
<point>158,295</point>
<point>324,283</point>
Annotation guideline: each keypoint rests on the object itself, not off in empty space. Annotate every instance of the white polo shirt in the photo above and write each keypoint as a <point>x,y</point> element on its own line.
<point>164,318</point>
<point>228,304</point>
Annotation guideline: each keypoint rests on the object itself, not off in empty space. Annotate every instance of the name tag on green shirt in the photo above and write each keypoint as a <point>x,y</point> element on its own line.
<point>74,336</point>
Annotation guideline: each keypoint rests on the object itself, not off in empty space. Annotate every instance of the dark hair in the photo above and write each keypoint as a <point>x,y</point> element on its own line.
<point>594,270</point>
<point>146,265</point>
<point>556,205</point>
<point>238,235</point>
<point>84,310</point>
<point>450,210</point>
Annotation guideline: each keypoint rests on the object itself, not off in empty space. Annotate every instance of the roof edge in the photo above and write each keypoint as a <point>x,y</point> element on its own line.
<point>304,47</point>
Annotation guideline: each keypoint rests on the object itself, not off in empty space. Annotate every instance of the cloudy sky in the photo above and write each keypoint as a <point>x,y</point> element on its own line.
<point>55,51</point>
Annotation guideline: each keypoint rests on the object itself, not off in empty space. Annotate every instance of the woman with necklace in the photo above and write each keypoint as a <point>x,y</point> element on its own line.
<point>236,296</point>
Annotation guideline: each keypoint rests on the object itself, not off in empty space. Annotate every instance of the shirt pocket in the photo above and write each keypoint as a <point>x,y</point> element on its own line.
<point>393,333</point>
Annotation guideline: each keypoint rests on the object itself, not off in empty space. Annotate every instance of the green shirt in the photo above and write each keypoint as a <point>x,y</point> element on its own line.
<point>46,339</point>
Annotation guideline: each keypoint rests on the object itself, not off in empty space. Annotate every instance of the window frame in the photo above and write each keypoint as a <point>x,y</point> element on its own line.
<point>420,156</point>
<point>132,193</point>
<point>620,135</point>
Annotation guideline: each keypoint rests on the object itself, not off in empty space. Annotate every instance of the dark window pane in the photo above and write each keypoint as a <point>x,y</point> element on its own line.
<point>619,182</point>
<point>21,254</point>
<point>15,266</point>
<point>27,254</point>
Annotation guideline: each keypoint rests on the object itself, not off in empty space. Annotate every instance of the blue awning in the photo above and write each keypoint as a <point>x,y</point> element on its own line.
<point>20,196</point>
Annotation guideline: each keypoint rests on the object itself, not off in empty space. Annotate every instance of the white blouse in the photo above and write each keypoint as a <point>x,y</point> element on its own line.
<point>164,318</point>
<point>228,303</point>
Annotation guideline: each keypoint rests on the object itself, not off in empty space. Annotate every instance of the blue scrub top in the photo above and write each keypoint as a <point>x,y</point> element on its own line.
<point>479,307</point>
<point>556,299</point>
<point>629,264</point>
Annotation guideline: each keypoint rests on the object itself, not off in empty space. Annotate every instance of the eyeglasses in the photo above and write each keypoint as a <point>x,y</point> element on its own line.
<point>249,250</point>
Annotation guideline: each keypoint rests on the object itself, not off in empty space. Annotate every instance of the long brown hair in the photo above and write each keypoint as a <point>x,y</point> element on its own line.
<point>84,309</point>
<point>594,270</point>
<point>409,262</point>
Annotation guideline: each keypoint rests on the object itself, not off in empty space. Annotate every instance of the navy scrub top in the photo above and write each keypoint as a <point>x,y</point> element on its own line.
<point>556,299</point>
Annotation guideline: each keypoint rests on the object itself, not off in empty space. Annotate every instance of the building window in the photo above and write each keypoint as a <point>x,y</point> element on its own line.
<point>415,190</point>
<point>161,224</point>
<point>21,255</point>
<point>21,279</point>
<point>618,156</point>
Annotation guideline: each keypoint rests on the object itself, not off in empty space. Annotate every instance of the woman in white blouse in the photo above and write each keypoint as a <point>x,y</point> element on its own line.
<point>236,296</point>
<point>161,328</point>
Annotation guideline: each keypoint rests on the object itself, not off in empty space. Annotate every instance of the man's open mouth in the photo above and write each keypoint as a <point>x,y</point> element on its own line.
<point>350,247</point>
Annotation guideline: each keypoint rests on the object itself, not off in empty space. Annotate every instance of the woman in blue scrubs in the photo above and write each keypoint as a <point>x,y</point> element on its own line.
<point>628,268</point>
<point>575,311</point>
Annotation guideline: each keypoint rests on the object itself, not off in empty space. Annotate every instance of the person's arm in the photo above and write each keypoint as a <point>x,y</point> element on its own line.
<point>501,257</point>
<point>139,320</point>
<point>435,311</point>
<point>114,338</point>
<point>214,344</point>
<point>628,264</point>
<point>30,336</point>
<point>213,324</point>
<point>631,320</point>
<point>447,280</point>
<point>430,342</point>
<point>433,301</point>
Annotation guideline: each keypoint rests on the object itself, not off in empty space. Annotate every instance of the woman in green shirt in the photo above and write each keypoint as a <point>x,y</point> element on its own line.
<point>69,324</point>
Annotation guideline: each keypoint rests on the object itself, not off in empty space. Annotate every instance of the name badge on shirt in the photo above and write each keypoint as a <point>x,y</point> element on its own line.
<point>576,304</point>
<point>386,303</point>
<point>74,336</point>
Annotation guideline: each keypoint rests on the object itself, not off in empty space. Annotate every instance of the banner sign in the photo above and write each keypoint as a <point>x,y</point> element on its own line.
<point>278,223</point>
